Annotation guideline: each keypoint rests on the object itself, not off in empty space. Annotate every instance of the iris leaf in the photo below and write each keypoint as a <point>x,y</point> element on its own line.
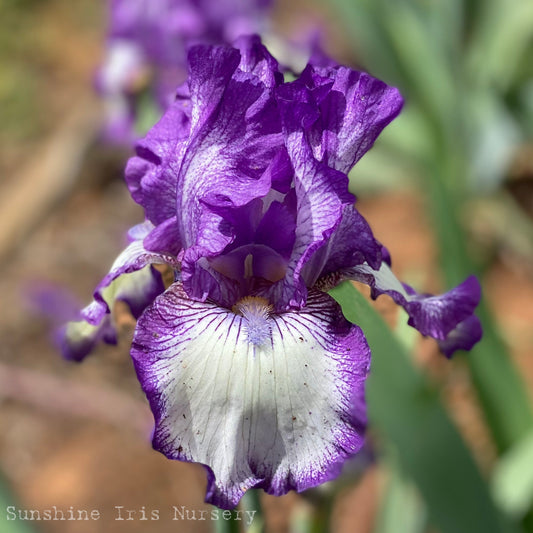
<point>402,510</point>
<point>512,480</point>
<point>251,502</point>
<point>500,38</point>
<point>362,22</point>
<point>7,500</point>
<point>501,391</point>
<point>406,410</point>
<point>227,526</point>
<point>449,162</point>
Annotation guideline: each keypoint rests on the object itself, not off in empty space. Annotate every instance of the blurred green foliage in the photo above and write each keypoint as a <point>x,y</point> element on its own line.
<point>465,70</point>
<point>7,500</point>
<point>30,72</point>
<point>18,88</point>
<point>407,410</point>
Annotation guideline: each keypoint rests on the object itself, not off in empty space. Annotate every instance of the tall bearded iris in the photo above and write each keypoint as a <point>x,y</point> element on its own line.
<point>147,49</point>
<point>249,366</point>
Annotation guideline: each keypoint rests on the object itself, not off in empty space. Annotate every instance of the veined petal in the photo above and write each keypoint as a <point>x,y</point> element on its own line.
<point>132,280</point>
<point>352,243</point>
<point>321,194</point>
<point>137,289</point>
<point>256,59</point>
<point>132,289</point>
<point>463,337</point>
<point>150,177</point>
<point>262,400</point>
<point>318,213</point>
<point>230,147</point>
<point>448,317</point>
<point>352,113</point>
<point>78,338</point>
<point>227,161</point>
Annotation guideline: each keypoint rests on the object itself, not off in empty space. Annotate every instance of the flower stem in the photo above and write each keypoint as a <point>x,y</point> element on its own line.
<point>232,525</point>
<point>251,505</point>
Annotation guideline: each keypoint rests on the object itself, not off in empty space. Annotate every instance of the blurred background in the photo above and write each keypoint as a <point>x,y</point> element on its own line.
<point>448,188</point>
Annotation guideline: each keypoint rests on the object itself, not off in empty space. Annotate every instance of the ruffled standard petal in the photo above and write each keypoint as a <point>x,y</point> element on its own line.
<point>150,175</point>
<point>321,194</point>
<point>256,59</point>
<point>262,400</point>
<point>231,144</point>
<point>449,317</point>
<point>228,159</point>
<point>353,109</point>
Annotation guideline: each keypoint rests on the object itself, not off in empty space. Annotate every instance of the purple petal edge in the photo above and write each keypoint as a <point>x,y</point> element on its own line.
<point>285,449</point>
<point>448,318</point>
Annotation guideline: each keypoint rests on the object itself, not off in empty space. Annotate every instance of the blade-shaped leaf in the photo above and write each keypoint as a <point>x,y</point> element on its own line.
<point>407,411</point>
<point>401,510</point>
<point>501,391</point>
<point>512,481</point>
<point>9,521</point>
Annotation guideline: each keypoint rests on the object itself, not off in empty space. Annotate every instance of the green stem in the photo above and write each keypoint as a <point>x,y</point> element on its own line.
<point>320,521</point>
<point>233,525</point>
<point>251,505</point>
<point>7,498</point>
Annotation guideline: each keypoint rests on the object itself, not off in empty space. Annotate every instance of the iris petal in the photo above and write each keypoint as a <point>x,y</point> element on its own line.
<point>78,338</point>
<point>232,142</point>
<point>132,280</point>
<point>351,243</point>
<point>353,109</point>
<point>137,289</point>
<point>448,317</point>
<point>280,407</point>
<point>133,259</point>
<point>150,177</point>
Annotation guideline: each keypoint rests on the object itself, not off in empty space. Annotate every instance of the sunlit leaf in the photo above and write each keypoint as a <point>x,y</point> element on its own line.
<point>502,393</point>
<point>401,510</point>
<point>8,524</point>
<point>512,481</point>
<point>407,411</point>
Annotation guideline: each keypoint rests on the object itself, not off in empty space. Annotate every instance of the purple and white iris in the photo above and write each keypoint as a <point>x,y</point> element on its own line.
<point>147,49</point>
<point>249,366</point>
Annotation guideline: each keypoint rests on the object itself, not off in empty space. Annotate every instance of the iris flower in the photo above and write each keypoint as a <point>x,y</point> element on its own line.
<point>147,49</point>
<point>249,366</point>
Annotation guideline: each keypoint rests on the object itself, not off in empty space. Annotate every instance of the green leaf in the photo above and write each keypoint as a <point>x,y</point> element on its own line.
<point>512,480</point>
<point>251,504</point>
<point>402,510</point>
<point>501,391</point>
<point>426,65</point>
<point>361,19</point>
<point>233,525</point>
<point>502,34</point>
<point>7,500</point>
<point>407,411</point>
